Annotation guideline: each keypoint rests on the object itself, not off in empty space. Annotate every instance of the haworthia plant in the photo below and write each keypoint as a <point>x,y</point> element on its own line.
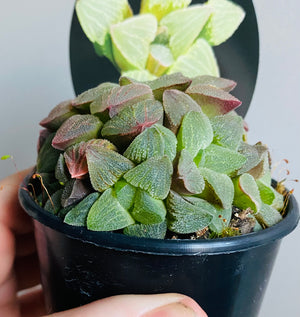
<point>164,38</point>
<point>157,163</point>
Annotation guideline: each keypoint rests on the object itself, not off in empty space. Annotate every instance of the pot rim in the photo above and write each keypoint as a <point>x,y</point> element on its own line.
<point>178,247</point>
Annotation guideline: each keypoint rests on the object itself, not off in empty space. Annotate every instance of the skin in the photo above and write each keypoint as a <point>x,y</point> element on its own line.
<point>19,271</point>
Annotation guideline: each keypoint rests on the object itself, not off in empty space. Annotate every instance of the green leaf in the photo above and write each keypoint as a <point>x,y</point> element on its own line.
<point>226,18</point>
<point>184,26</point>
<point>96,17</point>
<point>177,104</point>
<point>221,219</point>
<point>153,176</point>
<point>195,133</point>
<point>148,210</point>
<point>74,191</point>
<point>213,101</point>
<point>5,157</point>
<point>159,60</point>
<point>186,217</point>
<point>107,214</point>
<point>246,193</point>
<point>47,157</point>
<point>105,166</point>
<point>77,216</point>
<point>161,8</point>
<point>76,129</point>
<point>222,160</point>
<point>267,193</point>
<point>155,141</point>
<point>228,130</point>
<point>198,60</point>
<point>218,82</point>
<point>219,188</point>
<point>153,231</point>
<point>134,119</point>
<point>53,205</point>
<point>278,202</point>
<point>187,179</point>
<point>125,193</point>
<point>136,75</point>
<point>131,41</point>
<point>61,171</point>
<point>174,81</point>
<point>268,216</point>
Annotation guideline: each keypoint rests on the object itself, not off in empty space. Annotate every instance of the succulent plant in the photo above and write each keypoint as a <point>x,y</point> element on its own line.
<point>155,159</point>
<point>166,37</point>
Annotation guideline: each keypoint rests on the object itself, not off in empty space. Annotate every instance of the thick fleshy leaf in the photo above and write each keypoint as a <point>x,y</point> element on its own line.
<point>155,141</point>
<point>74,191</point>
<point>218,82</point>
<point>228,130</point>
<point>267,193</point>
<point>186,217</point>
<point>195,133</point>
<point>105,166</point>
<point>96,17</point>
<point>184,26</point>
<point>134,119</point>
<point>125,193</point>
<point>187,178</point>
<point>53,205</point>
<point>199,60</point>
<point>107,214</point>
<point>162,36</point>
<point>263,169</point>
<point>161,8</point>
<point>278,202</point>
<point>222,160</point>
<point>153,176</point>
<point>153,231</point>
<point>77,216</point>
<point>177,104</point>
<point>165,82</point>
<point>58,115</point>
<point>99,101</point>
<point>148,210</point>
<point>136,76</point>
<point>76,129</point>
<point>131,41</point>
<point>221,219</point>
<point>76,160</point>
<point>159,60</point>
<point>213,101</point>
<point>47,157</point>
<point>246,193</point>
<point>226,18</point>
<point>268,216</point>
<point>123,96</point>
<point>61,171</point>
<point>41,140</point>
<point>219,188</point>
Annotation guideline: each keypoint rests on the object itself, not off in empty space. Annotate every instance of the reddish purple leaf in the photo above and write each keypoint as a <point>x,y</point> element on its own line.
<point>58,115</point>
<point>76,129</point>
<point>218,82</point>
<point>42,138</point>
<point>213,101</point>
<point>74,191</point>
<point>75,159</point>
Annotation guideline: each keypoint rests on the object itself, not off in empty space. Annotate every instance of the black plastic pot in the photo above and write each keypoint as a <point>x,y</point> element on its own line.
<point>227,277</point>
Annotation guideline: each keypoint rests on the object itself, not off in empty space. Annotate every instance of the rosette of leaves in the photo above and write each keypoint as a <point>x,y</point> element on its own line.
<point>166,36</point>
<point>155,159</point>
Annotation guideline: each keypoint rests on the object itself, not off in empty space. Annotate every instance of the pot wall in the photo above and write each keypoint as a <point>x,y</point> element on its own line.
<point>75,272</point>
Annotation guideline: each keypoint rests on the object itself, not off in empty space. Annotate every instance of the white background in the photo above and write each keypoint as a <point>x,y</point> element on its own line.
<point>35,76</point>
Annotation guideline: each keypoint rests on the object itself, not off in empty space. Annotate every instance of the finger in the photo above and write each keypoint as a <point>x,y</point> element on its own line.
<point>27,271</point>
<point>11,213</point>
<point>166,305</point>
<point>25,244</point>
<point>32,303</point>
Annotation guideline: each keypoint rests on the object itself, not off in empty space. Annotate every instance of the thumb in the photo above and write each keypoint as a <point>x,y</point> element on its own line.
<point>167,305</point>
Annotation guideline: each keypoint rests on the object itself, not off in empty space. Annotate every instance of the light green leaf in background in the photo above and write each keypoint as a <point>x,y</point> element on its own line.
<point>96,17</point>
<point>107,214</point>
<point>160,59</point>
<point>136,75</point>
<point>161,8</point>
<point>131,41</point>
<point>195,133</point>
<point>199,60</point>
<point>184,26</point>
<point>226,18</point>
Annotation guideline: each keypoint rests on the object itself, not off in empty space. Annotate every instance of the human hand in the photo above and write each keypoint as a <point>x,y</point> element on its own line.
<point>19,271</point>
